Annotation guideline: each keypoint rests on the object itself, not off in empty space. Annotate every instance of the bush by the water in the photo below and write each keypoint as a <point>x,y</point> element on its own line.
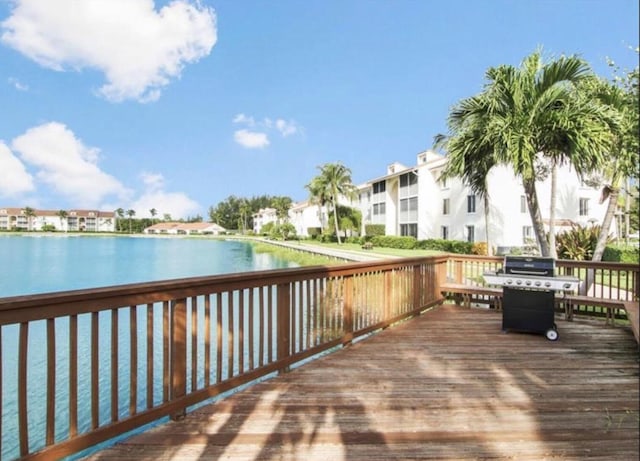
<point>392,241</point>
<point>371,230</point>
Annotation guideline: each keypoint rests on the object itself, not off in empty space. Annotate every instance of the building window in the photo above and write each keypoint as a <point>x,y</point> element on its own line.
<point>444,231</point>
<point>523,204</point>
<point>584,207</point>
<point>443,183</point>
<point>471,234</point>
<point>471,203</point>
<point>408,210</point>
<point>409,230</point>
<point>527,234</point>
<point>445,206</point>
<point>379,187</point>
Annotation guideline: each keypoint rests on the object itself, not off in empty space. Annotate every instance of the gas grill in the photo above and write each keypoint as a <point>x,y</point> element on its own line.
<point>528,286</point>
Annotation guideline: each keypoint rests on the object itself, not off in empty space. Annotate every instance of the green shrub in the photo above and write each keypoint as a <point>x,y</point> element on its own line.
<point>314,232</point>
<point>353,239</point>
<point>578,243</point>
<point>623,254</point>
<point>480,248</point>
<point>371,230</point>
<point>392,241</point>
<point>449,246</point>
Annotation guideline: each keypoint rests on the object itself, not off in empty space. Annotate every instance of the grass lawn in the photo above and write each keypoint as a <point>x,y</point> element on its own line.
<point>376,250</point>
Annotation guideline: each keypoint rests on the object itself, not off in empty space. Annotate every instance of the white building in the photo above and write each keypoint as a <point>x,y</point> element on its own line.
<point>70,220</point>
<point>412,201</point>
<point>181,228</point>
<point>262,217</point>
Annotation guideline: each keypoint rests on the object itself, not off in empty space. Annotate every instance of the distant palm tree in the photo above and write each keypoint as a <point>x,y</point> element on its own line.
<point>30,213</point>
<point>131,214</point>
<point>153,212</point>
<point>62,214</point>
<point>120,215</point>
<point>333,181</point>
<point>282,205</point>
<point>244,209</point>
<point>318,196</point>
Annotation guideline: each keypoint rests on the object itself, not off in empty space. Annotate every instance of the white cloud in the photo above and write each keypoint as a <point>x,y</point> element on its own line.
<point>138,49</point>
<point>14,178</point>
<point>241,118</point>
<point>286,128</point>
<point>17,84</point>
<point>177,204</point>
<point>251,139</point>
<point>152,181</point>
<point>255,139</point>
<point>68,166</point>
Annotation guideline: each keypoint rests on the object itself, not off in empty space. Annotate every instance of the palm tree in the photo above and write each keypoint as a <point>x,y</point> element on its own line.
<point>131,214</point>
<point>120,215</point>
<point>153,212</point>
<point>318,196</point>
<point>622,162</point>
<point>528,114</point>
<point>30,213</point>
<point>282,205</point>
<point>62,214</point>
<point>333,181</point>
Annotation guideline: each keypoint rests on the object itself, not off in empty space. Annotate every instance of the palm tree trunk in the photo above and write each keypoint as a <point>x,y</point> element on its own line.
<point>335,220</point>
<point>606,224</point>
<point>486,225</point>
<point>536,218</point>
<point>552,211</point>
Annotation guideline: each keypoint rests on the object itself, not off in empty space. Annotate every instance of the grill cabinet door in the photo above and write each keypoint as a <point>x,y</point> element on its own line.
<point>527,310</point>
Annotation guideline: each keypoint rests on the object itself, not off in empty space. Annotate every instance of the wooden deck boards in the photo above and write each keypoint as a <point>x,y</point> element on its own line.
<point>446,385</point>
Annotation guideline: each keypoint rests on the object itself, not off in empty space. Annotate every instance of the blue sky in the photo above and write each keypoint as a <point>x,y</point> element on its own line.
<point>177,105</point>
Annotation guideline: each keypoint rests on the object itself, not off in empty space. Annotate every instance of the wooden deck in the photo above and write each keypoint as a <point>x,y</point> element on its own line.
<point>446,385</point>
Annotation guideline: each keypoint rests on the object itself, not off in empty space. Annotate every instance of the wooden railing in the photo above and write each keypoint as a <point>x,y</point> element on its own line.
<point>78,368</point>
<point>599,280</point>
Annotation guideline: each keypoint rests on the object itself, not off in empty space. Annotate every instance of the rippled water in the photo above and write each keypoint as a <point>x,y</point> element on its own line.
<point>35,264</point>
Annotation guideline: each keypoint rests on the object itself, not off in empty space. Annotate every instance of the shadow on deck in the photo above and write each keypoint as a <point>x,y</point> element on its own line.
<point>446,385</point>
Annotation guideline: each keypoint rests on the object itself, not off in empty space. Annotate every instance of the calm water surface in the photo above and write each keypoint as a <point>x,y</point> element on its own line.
<point>39,264</point>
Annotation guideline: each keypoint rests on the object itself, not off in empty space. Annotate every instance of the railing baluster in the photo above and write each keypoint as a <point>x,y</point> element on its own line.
<point>284,318</point>
<point>150,327</point>
<point>241,331</point>
<point>230,338</point>
<point>73,375</point>
<point>270,314</point>
<point>219,338</point>
<point>1,387</point>
<point>207,340</point>
<point>114,365</point>
<point>166,364</point>
<point>262,334</point>
<point>51,381</point>
<point>23,423</point>
<point>251,328</point>
<point>194,343</point>
<point>95,383</point>
<point>133,360</point>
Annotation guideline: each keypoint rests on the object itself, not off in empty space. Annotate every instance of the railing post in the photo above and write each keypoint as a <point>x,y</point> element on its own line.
<point>178,353</point>
<point>459,265</point>
<point>283,323</point>
<point>347,312</point>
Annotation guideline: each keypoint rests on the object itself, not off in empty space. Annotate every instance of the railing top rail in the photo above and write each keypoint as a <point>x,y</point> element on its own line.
<point>94,299</point>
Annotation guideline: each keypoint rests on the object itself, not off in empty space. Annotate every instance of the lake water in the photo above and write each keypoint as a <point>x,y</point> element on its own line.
<point>39,264</point>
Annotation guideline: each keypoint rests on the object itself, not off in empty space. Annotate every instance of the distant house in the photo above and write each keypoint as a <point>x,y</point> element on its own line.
<point>180,228</point>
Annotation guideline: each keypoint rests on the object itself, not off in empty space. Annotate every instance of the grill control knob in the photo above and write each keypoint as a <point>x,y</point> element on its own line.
<point>538,283</point>
<point>547,284</point>
<point>566,286</point>
<point>519,282</point>
<point>528,283</point>
<point>509,281</point>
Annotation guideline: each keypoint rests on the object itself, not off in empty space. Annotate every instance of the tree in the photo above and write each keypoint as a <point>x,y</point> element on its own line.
<point>525,116</point>
<point>621,96</point>
<point>30,213</point>
<point>62,214</point>
<point>281,205</point>
<point>131,214</point>
<point>333,182</point>
<point>120,216</point>
<point>153,212</point>
<point>318,196</point>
